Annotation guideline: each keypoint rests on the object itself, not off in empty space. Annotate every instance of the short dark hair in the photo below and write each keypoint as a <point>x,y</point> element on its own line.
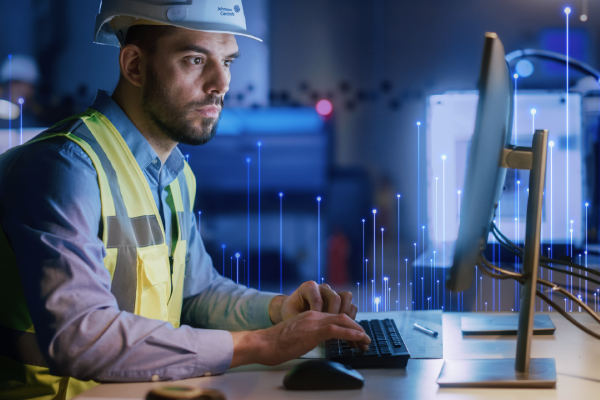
<point>146,36</point>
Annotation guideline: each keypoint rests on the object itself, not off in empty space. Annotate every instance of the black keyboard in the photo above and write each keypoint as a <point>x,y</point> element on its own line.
<point>387,349</point>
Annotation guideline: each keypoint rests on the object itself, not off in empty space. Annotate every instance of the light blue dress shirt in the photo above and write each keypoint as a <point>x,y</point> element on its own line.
<point>51,214</point>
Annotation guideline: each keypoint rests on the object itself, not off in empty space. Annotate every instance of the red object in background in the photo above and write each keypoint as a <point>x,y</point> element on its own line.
<point>324,107</point>
<point>338,253</point>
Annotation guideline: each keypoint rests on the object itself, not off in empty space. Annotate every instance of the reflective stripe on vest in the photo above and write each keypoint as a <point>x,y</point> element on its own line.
<point>144,281</point>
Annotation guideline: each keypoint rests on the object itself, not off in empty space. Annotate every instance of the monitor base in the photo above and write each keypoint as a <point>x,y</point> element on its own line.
<point>503,325</point>
<point>497,373</point>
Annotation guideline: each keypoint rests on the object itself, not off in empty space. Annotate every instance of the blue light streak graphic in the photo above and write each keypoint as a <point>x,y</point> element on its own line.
<point>259,144</point>
<point>436,235</point>
<point>199,223</point>
<point>358,292</point>
<point>551,145</point>
<point>383,293</point>
<point>516,141</point>
<point>374,253</point>
<point>280,242</point>
<point>586,249</point>
<point>406,283</point>
<point>398,302</point>
<point>248,221</point>
<point>414,294</point>
<point>444,227</point>
<point>21,101</point>
<point>364,272</point>
<point>223,247</point>
<point>231,268</point>
<point>319,238</point>
<point>237,267</point>
<point>418,181</point>
<point>533,111</point>
<point>187,158</point>
<point>567,12</point>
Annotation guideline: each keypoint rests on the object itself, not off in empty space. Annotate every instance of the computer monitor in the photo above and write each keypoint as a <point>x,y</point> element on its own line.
<point>484,178</point>
<point>490,155</point>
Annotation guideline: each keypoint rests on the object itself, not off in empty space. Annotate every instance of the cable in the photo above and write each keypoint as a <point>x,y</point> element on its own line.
<point>519,252</point>
<point>566,315</point>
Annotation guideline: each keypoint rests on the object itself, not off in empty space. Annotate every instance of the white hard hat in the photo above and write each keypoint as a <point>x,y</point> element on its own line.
<point>219,16</point>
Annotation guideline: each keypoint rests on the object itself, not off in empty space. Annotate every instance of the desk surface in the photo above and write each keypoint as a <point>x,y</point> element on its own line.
<point>577,362</point>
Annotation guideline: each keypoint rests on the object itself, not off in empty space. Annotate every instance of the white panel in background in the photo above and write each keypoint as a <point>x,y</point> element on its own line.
<point>450,126</point>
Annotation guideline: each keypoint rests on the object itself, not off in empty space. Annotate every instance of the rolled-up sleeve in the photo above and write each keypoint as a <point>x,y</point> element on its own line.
<point>51,218</point>
<point>213,301</point>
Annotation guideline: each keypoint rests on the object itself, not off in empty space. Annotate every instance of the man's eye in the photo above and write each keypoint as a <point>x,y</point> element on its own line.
<point>195,60</point>
<point>228,63</point>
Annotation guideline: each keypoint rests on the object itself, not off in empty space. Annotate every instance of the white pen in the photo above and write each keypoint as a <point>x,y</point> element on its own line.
<point>425,330</point>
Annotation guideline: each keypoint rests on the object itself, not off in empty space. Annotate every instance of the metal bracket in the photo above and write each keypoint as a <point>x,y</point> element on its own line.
<point>517,158</point>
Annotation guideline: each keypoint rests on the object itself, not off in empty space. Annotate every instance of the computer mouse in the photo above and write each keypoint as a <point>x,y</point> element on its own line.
<point>322,375</point>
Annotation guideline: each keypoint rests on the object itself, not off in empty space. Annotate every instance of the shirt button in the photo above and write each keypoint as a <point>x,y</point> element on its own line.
<point>154,161</point>
<point>208,373</point>
<point>155,378</point>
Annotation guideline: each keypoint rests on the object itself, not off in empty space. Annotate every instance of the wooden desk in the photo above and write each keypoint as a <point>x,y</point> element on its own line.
<point>577,362</point>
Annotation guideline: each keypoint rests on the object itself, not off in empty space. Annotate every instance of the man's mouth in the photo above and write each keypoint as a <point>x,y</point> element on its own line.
<point>210,111</point>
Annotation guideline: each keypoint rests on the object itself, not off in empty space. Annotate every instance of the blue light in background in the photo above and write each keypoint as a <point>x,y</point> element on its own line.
<point>275,120</point>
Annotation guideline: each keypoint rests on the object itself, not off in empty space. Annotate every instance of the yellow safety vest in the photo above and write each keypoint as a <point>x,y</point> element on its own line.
<point>146,279</point>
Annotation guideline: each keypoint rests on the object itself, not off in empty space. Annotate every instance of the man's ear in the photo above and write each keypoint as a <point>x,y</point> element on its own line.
<point>130,62</point>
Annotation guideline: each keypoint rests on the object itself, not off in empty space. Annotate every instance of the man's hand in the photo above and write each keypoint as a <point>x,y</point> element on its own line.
<point>313,297</point>
<point>295,337</point>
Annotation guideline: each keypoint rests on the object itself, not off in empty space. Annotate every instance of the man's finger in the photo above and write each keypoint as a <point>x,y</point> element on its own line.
<point>353,311</point>
<point>346,306</point>
<point>349,335</point>
<point>310,292</point>
<point>331,299</point>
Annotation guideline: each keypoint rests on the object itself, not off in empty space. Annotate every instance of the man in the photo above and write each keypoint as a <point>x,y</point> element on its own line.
<point>105,278</point>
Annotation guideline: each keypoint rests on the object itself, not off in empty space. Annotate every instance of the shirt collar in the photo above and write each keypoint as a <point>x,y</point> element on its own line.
<point>143,153</point>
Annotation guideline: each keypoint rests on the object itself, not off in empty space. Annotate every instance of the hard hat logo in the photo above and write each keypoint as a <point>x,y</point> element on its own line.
<point>117,16</point>
<point>177,13</point>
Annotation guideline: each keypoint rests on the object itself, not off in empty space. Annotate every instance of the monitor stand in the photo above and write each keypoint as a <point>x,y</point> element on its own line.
<point>505,325</point>
<point>522,371</point>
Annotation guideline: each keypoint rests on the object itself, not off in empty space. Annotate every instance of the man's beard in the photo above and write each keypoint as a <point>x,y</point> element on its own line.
<point>171,119</point>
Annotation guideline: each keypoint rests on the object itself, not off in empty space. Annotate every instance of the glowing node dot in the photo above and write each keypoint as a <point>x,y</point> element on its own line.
<point>381,229</point>
<point>443,157</point>
<point>280,194</point>
<point>533,111</point>
<point>363,220</point>
<point>583,17</point>
<point>515,76</point>
<point>418,123</point>
<point>398,196</point>
<point>248,159</point>
<point>518,182</point>
<point>377,300</point>
<point>21,100</point>
<point>319,198</point>
<point>259,144</point>
<point>324,107</point>
<point>587,204</point>
<point>551,144</point>
<point>374,211</point>
<point>568,10</point>
<point>571,221</point>
<point>459,192</point>
<point>571,230</point>
<point>385,279</point>
<point>237,255</point>
<point>222,246</point>
<point>9,56</point>
<point>414,244</point>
